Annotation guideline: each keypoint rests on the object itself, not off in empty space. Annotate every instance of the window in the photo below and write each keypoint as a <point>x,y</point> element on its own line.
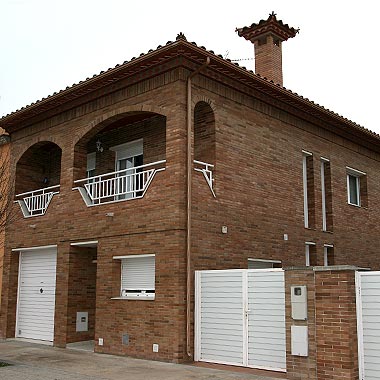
<point>310,254</point>
<point>137,276</point>
<point>308,189</point>
<point>356,187</point>
<point>128,157</point>
<point>328,255</point>
<point>91,164</point>
<point>263,264</point>
<point>327,216</point>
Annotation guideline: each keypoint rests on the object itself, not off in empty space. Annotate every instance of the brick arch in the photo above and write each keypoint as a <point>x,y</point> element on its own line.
<point>17,154</point>
<point>99,126</point>
<point>109,117</point>
<point>201,98</point>
<point>38,166</point>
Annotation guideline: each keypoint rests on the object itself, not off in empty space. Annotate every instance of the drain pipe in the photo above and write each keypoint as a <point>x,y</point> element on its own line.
<point>188,237</point>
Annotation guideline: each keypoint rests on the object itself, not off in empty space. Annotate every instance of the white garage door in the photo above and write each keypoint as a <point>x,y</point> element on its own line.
<point>368,310</point>
<point>240,318</point>
<point>36,294</point>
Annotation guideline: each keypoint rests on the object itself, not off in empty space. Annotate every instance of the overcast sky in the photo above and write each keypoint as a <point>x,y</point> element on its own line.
<point>47,45</point>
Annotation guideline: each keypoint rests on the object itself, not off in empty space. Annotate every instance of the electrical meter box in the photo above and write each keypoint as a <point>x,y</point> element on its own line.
<point>299,302</point>
<point>82,321</point>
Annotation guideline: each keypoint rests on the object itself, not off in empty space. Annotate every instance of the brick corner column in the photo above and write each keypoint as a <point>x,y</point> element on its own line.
<point>331,323</point>
<point>336,323</point>
<point>61,295</point>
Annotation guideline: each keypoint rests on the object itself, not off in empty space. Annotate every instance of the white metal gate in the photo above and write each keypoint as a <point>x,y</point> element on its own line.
<point>36,294</point>
<point>368,318</point>
<point>240,318</point>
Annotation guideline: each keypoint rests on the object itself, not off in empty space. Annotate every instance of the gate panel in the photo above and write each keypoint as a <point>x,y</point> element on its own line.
<point>220,317</point>
<point>240,318</point>
<point>368,308</point>
<point>266,320</point>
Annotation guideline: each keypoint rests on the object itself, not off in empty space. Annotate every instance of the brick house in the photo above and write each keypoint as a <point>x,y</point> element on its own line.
<point>176,161</point>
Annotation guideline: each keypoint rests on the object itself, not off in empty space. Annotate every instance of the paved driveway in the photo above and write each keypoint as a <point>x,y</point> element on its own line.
<point>39,362</point>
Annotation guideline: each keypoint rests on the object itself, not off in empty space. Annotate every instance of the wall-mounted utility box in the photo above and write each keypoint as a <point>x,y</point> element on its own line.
<point>299,340</point>
<point>82,321</point>
<point>298,301</point>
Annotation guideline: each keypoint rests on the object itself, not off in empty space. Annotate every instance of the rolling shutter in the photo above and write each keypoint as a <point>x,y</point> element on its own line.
<point>138,275</point>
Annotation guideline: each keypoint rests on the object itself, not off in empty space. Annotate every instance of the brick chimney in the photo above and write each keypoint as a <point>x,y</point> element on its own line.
<point>267,37</point>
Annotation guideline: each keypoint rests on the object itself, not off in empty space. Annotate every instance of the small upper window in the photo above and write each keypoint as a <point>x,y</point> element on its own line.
<point>356,187</point>
<point>353,184</point>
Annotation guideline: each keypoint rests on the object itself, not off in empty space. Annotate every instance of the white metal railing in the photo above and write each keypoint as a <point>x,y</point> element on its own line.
<point>206,169</point>
<point>36,202</point>
<point>120,185</point>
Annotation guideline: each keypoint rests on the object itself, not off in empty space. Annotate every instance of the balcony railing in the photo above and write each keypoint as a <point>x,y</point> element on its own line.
<point>118,186</point>
<point>206,169</point>
<point>36,202</point>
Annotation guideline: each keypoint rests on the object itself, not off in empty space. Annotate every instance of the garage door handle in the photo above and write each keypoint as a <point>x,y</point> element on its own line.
<point>41,290</point>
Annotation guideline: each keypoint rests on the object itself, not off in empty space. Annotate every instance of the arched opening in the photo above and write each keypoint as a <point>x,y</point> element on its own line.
<point>118,158</point>
<point>38,176</point>
<point>204,141</point>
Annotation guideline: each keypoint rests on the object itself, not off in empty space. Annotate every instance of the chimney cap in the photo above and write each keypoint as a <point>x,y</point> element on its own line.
<point>264,27</point>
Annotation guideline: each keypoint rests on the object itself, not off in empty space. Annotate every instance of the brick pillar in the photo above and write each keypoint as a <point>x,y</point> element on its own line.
<point>337,345</point>
<point>61,295</point>
<point>299,367</point>
<point>331,322</point>
<point>9,294</point>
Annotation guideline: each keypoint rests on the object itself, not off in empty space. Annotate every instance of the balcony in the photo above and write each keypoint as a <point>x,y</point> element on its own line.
<point>36,202</point>
<point>121,185</point>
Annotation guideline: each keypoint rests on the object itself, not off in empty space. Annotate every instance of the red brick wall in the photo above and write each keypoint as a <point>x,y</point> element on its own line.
<point>81,292</point>
<point>300,367</point>
<point>159,321</point>
<point>259,189</point>
<point>337,345</point>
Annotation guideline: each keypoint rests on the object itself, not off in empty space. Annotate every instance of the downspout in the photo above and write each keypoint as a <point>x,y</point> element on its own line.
<point>188,235</point>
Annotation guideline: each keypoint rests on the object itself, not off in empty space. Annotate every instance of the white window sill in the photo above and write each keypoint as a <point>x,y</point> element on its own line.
<point>150,298</point>
<point>353,204</point>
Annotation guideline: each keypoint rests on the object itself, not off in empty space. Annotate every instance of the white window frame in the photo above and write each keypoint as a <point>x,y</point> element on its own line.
<point>305,155</point>
<point>91,163</point>
<point>355,174</point>
<point>323,190</point>
<point>307,252</point>
<point>126,151</point>
<point>143,294</point>
<point>325,254</point>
